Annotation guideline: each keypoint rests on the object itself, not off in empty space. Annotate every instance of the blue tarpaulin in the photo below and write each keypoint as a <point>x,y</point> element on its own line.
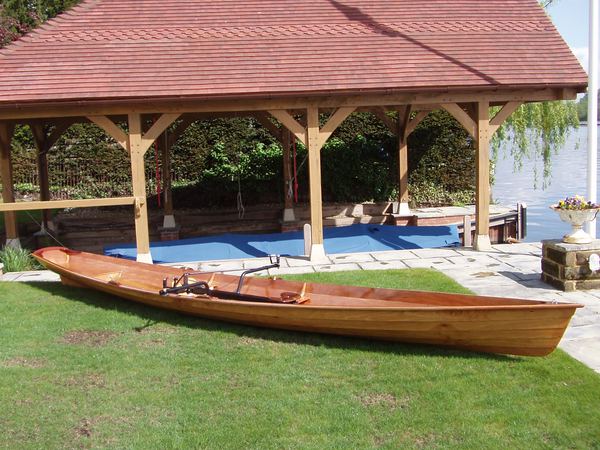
<point>351,239</point>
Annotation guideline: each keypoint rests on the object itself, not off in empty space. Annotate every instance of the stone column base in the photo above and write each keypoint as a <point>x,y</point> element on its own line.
<point>169,221</point>
<point>567,266</point>
<point>482,243</point>
<point>403,209</point>
<point>13,243</point>
<point>317,254</point>
<point>289,215</point>
<point>144,258</point>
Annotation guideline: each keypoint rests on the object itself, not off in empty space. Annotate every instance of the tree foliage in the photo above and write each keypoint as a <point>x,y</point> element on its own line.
<point>537,131</point>
<point>18,17</point>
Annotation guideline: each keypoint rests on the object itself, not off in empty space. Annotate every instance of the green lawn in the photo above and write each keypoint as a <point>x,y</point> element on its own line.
<point>81,369</point>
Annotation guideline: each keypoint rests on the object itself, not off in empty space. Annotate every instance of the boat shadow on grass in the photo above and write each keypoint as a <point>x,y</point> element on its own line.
<point>150,317</point>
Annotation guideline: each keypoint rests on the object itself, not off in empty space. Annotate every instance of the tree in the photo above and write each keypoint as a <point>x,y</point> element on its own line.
<point>18,17</point>
<point>537,131</point>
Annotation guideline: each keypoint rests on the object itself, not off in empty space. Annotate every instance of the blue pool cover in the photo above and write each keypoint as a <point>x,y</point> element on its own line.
<point>351,239</point>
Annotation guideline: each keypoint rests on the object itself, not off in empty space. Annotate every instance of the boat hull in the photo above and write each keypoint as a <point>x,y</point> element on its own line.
<point>508,326</point>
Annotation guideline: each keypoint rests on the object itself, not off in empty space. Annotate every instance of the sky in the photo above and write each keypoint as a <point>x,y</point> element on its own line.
<point>571,18</point>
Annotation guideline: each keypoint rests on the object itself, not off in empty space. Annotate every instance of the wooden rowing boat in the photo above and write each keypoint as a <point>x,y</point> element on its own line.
<point>486,324</point>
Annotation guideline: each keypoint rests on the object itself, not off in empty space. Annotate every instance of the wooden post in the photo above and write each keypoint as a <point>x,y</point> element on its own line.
<point>481,129</point>
<point>288,211</point>
<point>138,178</point>
<point>317,251</point>
<point>314,137</point>
<point>403,119</point>
<point>8,196</point>
<point>42,144</point>
<point>165,151</point>
<point>482,205</point>
<point>467,231</point>
<point>137,143</point>
<point>284,136</point>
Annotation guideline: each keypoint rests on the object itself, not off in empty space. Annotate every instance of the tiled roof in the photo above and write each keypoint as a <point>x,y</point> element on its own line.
<point>118,49</point>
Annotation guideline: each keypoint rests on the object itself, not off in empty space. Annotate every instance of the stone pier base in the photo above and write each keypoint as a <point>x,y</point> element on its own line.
<point>566,266</point>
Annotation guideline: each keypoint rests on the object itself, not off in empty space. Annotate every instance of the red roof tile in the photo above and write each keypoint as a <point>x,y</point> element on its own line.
<point>116,49</point>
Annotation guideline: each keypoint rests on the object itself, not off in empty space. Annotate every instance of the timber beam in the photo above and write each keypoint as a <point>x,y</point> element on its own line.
<point>482,201</point>
<point>289,122</point>
<point>45,137</point>
<point>137,143</point>
<point>179,106</point>
<point>475,118</point>
<point>313,136</point>
<point>402,127</point>
<point>504,113</point>
<point>263,119</point>
<point>61,204</point>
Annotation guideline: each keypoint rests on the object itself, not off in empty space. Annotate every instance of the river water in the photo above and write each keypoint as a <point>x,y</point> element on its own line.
<point>569,177</point>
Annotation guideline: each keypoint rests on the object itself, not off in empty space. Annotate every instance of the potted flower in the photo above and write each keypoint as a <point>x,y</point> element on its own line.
<point>576,211</point>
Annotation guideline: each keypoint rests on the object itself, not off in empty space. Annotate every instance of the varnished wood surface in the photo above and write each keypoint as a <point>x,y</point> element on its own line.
<point>488,324</point>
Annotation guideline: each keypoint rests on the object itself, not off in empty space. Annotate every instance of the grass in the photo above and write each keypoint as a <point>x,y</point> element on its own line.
<point>82,369</point>
<point>413,279</point>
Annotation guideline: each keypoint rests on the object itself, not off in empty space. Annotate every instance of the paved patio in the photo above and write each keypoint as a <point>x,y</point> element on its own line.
<point>510,270</point>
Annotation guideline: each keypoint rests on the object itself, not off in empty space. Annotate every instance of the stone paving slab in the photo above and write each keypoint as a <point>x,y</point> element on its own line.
<point>336,267</point>
<point>217,266</point>
<point>261,262</point>
<point>34,275</point>
<point>429,263</point>
<point>383,265</point>
<point>435,252</point>
<point>399,255</point>
<point>300,261</point>
<point>351,257</point>
<point>482,261</point>
<point>290,270</point>
<point>586,350</point>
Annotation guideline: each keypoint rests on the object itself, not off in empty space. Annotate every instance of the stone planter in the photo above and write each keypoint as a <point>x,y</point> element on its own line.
<point>576,217</point>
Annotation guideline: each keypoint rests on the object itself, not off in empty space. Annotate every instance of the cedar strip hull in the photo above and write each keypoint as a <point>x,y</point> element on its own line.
<point>485,324</point>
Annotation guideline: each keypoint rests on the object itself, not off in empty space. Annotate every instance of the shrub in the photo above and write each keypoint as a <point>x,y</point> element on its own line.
<point>18,260</point>
<point>215,158</point>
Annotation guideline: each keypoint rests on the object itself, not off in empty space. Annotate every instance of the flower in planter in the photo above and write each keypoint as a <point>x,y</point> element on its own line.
<point>575,203</point>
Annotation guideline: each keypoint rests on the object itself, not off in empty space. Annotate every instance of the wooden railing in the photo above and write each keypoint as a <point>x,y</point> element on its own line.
<point>60,204</point>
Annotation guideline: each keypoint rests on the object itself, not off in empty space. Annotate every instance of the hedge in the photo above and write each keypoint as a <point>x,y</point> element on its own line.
<point>216,158</point>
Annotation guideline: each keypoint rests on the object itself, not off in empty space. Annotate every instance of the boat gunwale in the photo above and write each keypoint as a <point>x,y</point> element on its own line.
<point>535,304</point>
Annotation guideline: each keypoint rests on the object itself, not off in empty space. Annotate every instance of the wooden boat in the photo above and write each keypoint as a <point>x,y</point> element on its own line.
<point>485,324</point>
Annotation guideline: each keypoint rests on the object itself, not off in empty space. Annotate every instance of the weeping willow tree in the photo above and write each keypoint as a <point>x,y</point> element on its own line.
<point>536,131</point>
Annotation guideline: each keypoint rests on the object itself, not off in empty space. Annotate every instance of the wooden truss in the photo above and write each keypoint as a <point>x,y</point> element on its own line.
<point>401,113</point>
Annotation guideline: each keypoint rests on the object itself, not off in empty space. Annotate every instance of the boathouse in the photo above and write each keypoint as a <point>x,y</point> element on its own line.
<point>154,63</point>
